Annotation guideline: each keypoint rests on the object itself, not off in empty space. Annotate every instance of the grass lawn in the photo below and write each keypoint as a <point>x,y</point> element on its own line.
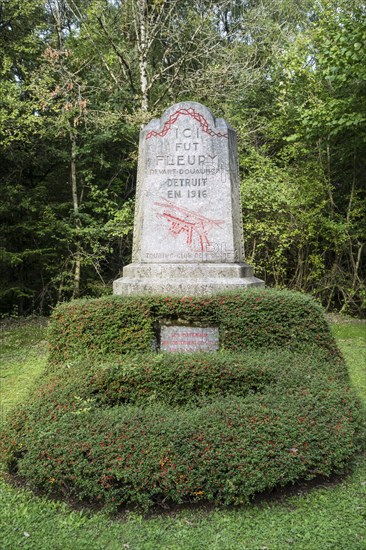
<point>351,338</point>
<point>328,516</point>
<point>23,354</point>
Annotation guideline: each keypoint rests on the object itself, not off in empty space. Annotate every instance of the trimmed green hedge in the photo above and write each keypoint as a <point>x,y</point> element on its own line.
<point>179,379</point>
<point>250,319</point>
<point>116,423</point>
<point>272,419</point>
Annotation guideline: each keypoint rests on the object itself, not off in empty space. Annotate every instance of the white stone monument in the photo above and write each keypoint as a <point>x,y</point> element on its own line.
<point>188,235</point>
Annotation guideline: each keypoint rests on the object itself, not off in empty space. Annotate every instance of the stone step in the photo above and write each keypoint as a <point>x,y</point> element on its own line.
<point>182,286</point>
<point>188,271</point>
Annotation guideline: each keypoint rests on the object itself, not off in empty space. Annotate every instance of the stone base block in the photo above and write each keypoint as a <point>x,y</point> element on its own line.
<point>184,279</point>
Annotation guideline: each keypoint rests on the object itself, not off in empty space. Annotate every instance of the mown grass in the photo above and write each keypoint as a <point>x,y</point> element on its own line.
<point>351,338</point>
<point>329,516</point>
<point>23,355</point>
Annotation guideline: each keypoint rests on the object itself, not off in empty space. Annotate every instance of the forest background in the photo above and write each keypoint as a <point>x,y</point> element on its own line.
<point>80,77</point>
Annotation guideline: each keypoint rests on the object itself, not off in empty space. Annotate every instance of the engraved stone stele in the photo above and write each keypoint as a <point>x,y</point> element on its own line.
<point>188,234</point>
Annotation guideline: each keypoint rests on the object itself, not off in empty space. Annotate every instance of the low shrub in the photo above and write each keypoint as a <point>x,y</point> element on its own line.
<point>256,319</point>
<point>171,434</point>
<point>179,379</point>
<point>224,452</point>
<point>103,326</point>
<point>114,422</point>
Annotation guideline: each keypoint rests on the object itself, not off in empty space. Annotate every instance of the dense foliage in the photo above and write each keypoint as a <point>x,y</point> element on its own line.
<point>274,422</point>
<point>79,77</point>
<point>118,424</point>
<point>248,319</point>
<point>270,521</point>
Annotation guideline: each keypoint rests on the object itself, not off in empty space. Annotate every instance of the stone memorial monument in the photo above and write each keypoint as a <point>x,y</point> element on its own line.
<point>188,235</point>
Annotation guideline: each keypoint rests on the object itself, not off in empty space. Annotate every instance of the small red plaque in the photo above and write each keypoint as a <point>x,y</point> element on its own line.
<point>189,339</point>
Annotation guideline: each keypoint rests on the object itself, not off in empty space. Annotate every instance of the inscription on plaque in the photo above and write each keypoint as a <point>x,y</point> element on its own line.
<point>189,339</point>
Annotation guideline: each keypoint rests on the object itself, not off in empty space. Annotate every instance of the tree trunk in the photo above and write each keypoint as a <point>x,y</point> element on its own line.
<point>75,201</point>
<point>142,48</point>
<point>56,10</point>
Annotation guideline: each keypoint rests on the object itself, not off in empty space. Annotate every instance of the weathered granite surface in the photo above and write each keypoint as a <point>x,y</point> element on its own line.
<point>188,236</point>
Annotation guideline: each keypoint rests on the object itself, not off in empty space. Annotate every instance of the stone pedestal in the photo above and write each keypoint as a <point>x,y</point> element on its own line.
<point>184,279</point>
<point>188,237</point>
